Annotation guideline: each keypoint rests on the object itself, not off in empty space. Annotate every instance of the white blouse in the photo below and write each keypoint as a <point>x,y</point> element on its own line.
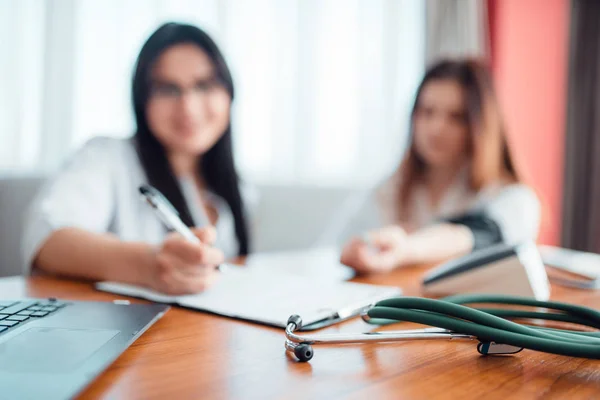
<point>515,208</point>
<point>97,190</point>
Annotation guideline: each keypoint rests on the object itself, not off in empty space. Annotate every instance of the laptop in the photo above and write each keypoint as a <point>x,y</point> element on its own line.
<point>52,349</point>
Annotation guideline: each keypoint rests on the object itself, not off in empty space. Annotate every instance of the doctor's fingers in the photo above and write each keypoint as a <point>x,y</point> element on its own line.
<point>174,282</point>
<point>172,265</point>
<point>192,253</point>
<point>207,234</point>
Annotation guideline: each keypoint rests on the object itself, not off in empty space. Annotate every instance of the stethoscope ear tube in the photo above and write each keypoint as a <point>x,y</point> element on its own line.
<point>452,319</point>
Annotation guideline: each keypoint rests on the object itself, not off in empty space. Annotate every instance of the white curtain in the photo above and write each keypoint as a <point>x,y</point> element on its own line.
<point>456,28</point>
<point>323,86</point>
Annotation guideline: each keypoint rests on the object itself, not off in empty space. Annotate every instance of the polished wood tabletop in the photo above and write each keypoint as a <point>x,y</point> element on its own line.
<point>192,355</point>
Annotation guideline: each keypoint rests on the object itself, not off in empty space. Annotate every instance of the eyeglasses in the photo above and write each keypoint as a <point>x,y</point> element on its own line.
<point>170,91</point>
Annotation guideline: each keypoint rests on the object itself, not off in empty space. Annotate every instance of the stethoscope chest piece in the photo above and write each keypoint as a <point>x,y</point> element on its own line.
<point>493,348</point>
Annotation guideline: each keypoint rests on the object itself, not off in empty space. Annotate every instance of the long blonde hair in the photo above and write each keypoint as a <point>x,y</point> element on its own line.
<point>491,160</point>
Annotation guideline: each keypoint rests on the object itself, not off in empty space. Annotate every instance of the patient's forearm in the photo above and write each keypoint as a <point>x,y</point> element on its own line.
<point>78,253</point>
<point>437,243</point>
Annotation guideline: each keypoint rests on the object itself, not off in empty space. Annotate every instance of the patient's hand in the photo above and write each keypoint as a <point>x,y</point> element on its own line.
<point>384,250</point>
<point>182,267</point>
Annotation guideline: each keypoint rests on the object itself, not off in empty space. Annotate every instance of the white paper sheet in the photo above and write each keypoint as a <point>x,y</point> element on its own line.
<point>264,297</point>
<point>319,263</point>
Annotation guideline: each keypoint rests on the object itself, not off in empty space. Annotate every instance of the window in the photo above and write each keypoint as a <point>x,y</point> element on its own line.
<point>323,87</point>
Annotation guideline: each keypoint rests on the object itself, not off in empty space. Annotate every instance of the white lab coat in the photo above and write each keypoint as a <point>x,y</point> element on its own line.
<point>97,190</point>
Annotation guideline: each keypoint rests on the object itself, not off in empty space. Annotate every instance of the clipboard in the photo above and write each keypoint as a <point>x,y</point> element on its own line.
<point>269,299</point>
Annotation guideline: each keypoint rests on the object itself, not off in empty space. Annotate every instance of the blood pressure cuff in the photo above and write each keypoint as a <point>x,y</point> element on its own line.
<point>485,230</point>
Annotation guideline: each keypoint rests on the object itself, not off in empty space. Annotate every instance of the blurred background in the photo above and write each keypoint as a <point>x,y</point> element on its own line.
<point>324,89</point>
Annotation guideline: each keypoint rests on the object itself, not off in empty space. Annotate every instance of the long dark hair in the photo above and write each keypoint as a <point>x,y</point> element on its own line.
<point>491,156</point>
<point>216,165</point>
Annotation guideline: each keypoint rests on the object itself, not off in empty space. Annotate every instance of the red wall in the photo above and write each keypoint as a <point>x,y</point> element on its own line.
<point>529,40</point>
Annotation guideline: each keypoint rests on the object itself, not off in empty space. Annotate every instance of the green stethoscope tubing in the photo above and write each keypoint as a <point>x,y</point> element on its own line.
<point>489,324</point>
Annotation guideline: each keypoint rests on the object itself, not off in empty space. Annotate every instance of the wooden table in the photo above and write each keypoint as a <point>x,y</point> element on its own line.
<point>190,355</point>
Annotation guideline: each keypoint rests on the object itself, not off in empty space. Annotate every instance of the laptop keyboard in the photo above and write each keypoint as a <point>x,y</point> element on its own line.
<point>13,313</point>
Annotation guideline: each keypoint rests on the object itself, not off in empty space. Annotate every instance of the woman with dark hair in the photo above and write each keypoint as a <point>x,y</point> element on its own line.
<point>89,221</point>
<point>458,188</point>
